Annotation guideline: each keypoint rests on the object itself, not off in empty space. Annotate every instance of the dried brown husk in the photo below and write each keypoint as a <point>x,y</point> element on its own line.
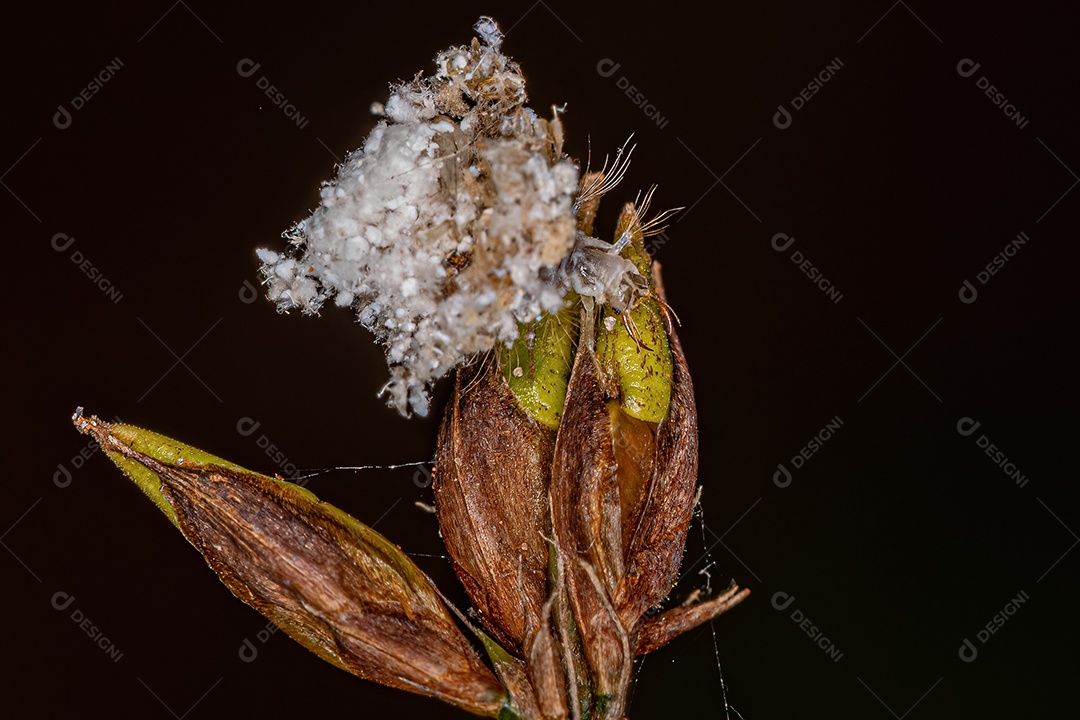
<point>622,498</point>
<point>492,470</point>
<point>657,536</point>
<point>586,518</point>
<point>331,583</point>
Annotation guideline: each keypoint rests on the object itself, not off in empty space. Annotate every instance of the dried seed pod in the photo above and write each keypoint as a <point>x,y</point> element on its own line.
<point>623,482</point>
<point>653,422</point>
<point>331,583</point>
<point>545,668</point>
<point>587,523</point>
<point>492,466</point>
<point>623,488</point>
<point>658,515</point>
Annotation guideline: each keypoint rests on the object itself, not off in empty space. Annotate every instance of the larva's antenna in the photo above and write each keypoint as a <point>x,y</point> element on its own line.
<point>605,181</point>
<point>655,225</point>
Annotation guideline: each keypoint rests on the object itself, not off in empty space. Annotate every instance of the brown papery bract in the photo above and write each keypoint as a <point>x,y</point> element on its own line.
<point>657,538</point>
<point>492,468</point>
<point>331,583</point>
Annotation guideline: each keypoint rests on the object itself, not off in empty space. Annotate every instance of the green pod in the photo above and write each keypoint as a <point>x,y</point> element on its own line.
<point>640,366</point>
<point>633,347</point>
<point>537,366</point>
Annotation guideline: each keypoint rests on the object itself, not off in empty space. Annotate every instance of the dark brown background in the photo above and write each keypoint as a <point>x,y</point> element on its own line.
<point>899,180</point>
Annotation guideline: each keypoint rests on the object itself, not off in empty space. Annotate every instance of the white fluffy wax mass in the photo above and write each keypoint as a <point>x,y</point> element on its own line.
<point>445,229</point>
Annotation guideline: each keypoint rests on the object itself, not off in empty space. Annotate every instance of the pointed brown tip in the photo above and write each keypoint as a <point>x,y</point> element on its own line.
<point>90,424</point>
<point>659,630</point>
